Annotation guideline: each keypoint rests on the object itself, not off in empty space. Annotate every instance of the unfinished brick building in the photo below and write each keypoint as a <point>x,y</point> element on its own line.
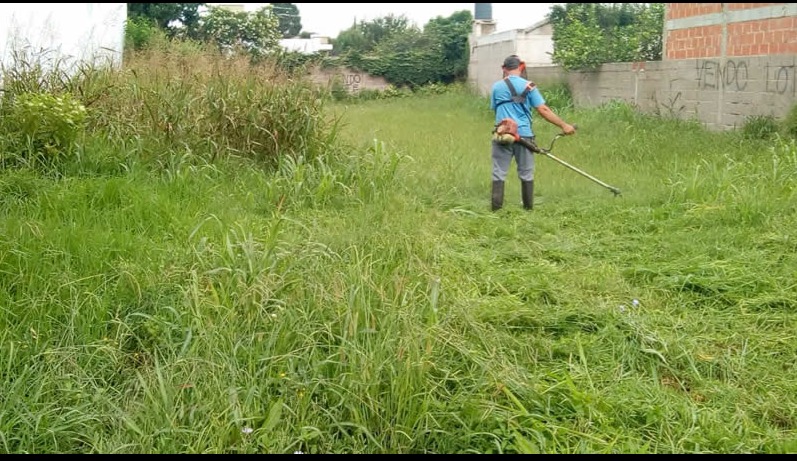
<point>713,30</point>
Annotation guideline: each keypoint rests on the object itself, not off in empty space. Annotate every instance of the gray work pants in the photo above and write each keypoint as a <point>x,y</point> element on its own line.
<point>502,159</point>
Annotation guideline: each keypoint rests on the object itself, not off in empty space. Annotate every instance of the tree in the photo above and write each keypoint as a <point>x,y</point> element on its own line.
<point>165,14</point>
<point>256,32</point>
<point>406,55</point>
<point>381,29</point>
<point>409,58</point>
<point>452,35</point>
<point>364,37</point>
<point>587,35</point>
<point>290,22</point>
<point>141,32</point>
<point>350,40</point>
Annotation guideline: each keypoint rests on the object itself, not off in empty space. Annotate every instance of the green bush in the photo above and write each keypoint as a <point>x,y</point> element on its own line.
<point>406,55</point>
<point>789,123</point>
<point>759,127</point>
<point>337,92</point>
<point>432,88</point>
<point>557,96</point>
<point>141,32</point>
<point>42,128</point>
<point>337,89</point>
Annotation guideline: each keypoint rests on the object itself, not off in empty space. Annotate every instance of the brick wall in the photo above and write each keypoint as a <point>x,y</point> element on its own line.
<point>695,42</point>
<point>687,10</point>
<point>710,30</point>
<point>763,37</point>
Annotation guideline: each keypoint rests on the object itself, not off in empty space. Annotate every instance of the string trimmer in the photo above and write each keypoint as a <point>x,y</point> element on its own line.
<point>506,133</point>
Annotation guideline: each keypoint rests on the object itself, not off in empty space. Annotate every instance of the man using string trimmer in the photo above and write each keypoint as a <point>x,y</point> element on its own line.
<point>512,99</point>
<point>506,133</point>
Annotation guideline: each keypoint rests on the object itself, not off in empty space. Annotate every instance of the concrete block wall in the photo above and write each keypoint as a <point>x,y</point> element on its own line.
<point>545,76</point>
<point>536,50</point>
<point>485,63</point>
<point>721,93</point>
<point>487,52</point>
<point>353,80</point>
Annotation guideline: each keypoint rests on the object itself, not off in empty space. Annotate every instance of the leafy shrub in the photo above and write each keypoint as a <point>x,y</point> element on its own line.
<point>790,123</point>
<point>42,128</point>
<point>557,96</point>
<point>338,90</point>
<point>140,33</point>
<point>759,127</point>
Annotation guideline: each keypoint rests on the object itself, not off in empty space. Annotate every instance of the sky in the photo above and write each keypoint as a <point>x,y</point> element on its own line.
<point>331,18</point>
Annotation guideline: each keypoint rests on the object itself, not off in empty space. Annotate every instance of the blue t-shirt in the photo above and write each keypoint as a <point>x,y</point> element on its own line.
<point>509,109</point>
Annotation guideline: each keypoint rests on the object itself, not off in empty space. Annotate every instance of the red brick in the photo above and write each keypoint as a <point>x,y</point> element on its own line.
<point>688,10</point>
<point>782,23</point>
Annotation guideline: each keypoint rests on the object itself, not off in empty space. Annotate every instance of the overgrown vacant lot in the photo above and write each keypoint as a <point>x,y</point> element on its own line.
<point>363,299</point>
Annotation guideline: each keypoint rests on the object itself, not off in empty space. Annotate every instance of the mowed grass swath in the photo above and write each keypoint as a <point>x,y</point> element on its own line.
<point>227,261</point>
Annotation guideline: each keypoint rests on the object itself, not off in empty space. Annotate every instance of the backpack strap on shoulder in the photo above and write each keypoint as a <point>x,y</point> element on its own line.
<point>518,98</point>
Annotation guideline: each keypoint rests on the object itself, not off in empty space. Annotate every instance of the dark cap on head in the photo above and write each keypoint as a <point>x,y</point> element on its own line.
<point>512,62</point>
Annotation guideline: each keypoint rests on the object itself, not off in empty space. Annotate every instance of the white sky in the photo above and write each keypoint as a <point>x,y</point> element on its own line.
<point>331,18</point>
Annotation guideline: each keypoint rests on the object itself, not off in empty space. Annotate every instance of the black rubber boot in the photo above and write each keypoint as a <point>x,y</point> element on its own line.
<point>527,194</point>
<point>498,195</point>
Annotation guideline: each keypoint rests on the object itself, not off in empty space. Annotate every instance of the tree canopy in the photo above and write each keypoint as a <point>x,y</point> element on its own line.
<point>290,22</point>
<point>392,47</point>
<point>586,35</point>
<point>165,14</point>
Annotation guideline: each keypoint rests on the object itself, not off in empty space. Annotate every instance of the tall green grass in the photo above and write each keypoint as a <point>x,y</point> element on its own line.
<point>181,99</point>
<point>161,296</point>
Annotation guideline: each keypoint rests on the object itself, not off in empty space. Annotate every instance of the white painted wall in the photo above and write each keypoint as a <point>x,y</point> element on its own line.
<point>486,59</point>
<point>488,53</point>
<point>535,49</point>
<point>89,32</point>
<point>306,45</point>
